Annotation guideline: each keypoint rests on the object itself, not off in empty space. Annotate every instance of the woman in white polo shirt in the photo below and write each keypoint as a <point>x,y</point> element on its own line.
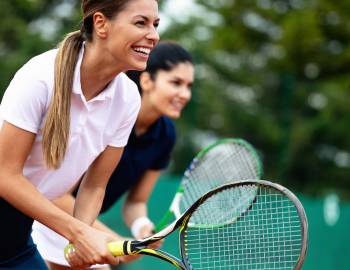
<point>165,88</point>
<point>66,112</point>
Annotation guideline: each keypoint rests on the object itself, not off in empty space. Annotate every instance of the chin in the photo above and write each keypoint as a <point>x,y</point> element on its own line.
<point>140,66</point>
<point>174,116</point>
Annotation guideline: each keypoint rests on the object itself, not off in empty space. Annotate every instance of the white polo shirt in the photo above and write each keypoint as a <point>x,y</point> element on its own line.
<point>104,120</point>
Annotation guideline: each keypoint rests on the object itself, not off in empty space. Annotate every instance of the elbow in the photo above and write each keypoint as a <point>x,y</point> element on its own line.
<point>7,179</point>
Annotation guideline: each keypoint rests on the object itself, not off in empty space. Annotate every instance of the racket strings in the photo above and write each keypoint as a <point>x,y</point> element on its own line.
<point>218,166</point>
<point>222,210</point>
<point>266,234</point>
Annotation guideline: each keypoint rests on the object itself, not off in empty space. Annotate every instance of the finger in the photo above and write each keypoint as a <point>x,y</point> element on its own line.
<point>129,258</point>
<point>155,246</point>
<point>112,260</point>
<point>105,257</point>
<point>75,261</point>
<point>85,259</point>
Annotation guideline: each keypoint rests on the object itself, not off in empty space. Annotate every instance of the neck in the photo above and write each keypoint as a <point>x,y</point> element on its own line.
<point>95,71</point>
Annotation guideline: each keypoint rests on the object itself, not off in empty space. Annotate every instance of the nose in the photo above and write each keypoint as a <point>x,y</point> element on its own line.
<point>153,35</point>
<point>185,94</point>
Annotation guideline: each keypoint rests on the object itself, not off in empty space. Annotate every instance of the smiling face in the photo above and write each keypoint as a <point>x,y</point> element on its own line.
<point>169,92</point>
<point>132,34</point>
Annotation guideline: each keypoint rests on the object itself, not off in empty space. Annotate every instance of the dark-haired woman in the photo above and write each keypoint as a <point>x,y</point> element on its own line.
<point>67,113</point>
<point>165,87</point>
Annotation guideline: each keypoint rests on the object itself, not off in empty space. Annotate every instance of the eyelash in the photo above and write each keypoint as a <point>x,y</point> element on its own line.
<point>178,84</point>
<point>143,23</point>
<point>140,23</point>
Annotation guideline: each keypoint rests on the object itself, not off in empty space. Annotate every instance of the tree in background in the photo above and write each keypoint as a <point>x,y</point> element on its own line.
<point>273,72</point>
<point>27,28</point>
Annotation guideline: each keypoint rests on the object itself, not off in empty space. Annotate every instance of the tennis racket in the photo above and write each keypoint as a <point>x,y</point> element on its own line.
<point>268,232</point>
<point>212,167</point>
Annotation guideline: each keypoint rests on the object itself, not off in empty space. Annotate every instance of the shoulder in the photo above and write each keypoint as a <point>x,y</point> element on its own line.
<point>38,71</point>
<point>167,124</point>
<point>40,66</point>
<point>127,89</point>
<point>124,107</point>
<point>35,78</point>
<point>164,144</point>
<point>168,132</point>
<point>27,97</point>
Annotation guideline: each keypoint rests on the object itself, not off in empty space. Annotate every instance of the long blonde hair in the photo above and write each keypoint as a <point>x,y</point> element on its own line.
<point>57,124</point>
<point>56,127</point>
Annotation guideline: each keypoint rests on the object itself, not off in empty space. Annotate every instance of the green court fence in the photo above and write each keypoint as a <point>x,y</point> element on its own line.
<point>329,229</point>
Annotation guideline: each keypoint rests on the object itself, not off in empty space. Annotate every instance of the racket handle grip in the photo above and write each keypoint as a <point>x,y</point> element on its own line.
<point>118,248</point>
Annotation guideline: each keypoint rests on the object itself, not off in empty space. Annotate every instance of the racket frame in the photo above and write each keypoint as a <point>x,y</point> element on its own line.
<point>299,207</point>
<point>140,246</point>
<point>174,210</point>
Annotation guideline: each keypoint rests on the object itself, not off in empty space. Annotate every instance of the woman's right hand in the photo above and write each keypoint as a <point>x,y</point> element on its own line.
<point>90,247</point>
<point>146,231</point>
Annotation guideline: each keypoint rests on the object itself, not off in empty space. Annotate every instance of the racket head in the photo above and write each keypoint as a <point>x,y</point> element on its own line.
<point>217,165</point>
<point>232,141</point>
<point>268,232</point>
<point>213,166</point>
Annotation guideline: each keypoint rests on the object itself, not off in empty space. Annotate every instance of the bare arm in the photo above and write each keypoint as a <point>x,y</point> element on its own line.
<point>66,203</point>
<point>92,189</point>
<point>15,146</point>
<point>135,205</point>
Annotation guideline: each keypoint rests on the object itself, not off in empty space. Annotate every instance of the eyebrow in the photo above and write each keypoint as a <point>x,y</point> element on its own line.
<point>181,79</point>
<point>146,18</point>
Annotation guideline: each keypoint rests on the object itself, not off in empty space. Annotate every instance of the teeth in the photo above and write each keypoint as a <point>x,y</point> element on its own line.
<point>142,50</point>
<point>178,105</point>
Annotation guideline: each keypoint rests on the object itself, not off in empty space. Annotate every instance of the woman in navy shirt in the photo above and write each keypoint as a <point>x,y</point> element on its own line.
<point>165,87</point>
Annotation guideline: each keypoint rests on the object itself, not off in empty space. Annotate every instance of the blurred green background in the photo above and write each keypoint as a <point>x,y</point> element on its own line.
<point>274,72</point>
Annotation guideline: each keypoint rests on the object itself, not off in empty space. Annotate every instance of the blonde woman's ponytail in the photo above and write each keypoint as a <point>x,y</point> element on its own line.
<point>57,123</point>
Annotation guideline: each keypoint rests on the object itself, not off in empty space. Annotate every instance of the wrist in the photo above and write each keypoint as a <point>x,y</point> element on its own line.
<point>138,224</point>
<point>75,230</point>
